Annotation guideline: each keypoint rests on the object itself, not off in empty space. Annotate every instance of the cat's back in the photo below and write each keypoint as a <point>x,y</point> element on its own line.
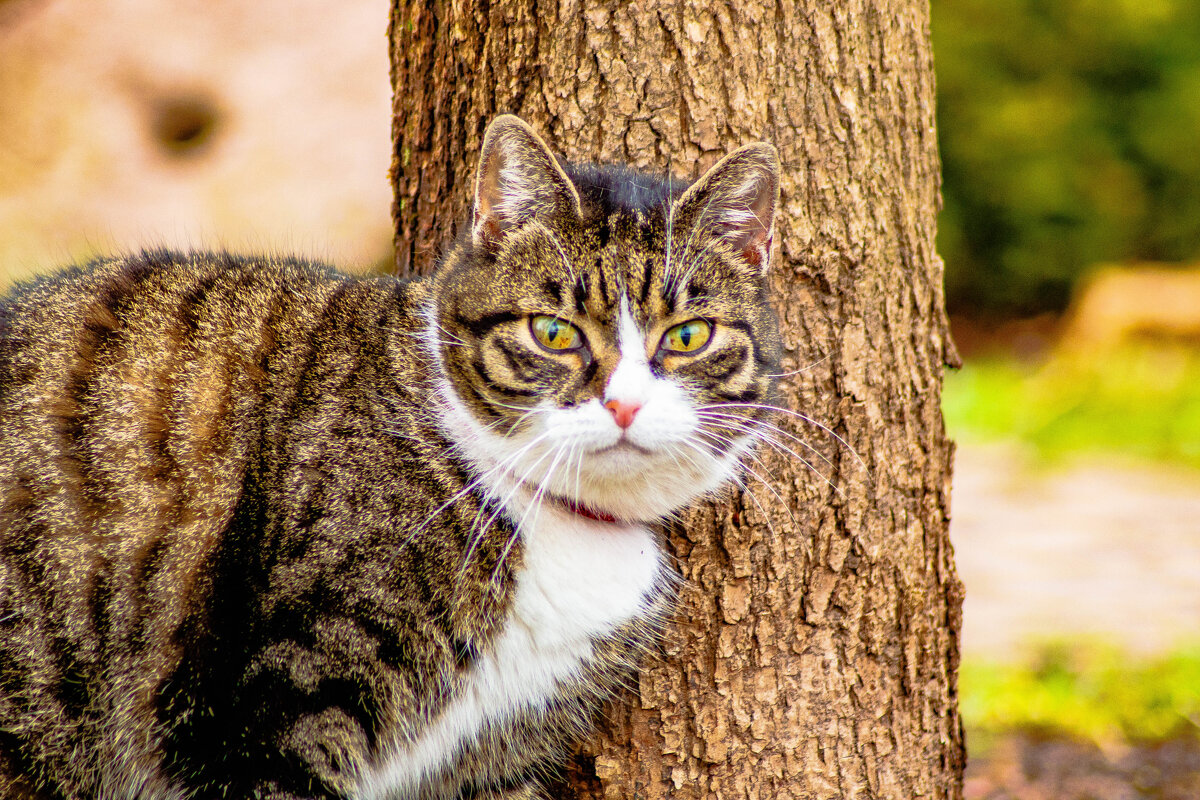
<point>132,385</point>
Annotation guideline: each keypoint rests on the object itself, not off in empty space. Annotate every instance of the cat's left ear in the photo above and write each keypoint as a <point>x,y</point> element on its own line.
<point>518,180</point>
<point>736,200</point>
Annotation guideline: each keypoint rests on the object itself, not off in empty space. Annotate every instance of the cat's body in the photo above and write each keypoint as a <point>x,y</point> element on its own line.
<point>270,530</point>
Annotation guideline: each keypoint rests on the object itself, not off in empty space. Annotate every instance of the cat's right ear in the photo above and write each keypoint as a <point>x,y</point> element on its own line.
<point>737,201</point>
<point>518,180</point>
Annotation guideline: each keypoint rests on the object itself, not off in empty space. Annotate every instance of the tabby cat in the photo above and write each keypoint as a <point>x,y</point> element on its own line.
<point>269,530</point>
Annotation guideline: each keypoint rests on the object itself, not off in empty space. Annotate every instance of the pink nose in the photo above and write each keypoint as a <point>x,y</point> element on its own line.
<point>623,412</point>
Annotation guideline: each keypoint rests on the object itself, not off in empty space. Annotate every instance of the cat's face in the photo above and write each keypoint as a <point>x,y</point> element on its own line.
<point>605,350</point>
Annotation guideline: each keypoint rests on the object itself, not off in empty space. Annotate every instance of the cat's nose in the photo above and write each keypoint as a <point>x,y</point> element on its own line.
<point>623,411</point>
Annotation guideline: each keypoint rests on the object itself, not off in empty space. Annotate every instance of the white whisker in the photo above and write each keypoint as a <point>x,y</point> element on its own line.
<point>771,442</point>
<point>746,489</point>
<point>805,418</point>
<point>805,368</point>
<point>535,505</point>
<point>470,486</point>
<point>561,252</point>
<point>753,426</point>
<point>478,531</point>
<point>752,454</point>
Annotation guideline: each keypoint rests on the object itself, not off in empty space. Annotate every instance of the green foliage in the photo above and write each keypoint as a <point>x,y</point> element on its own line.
<point>1094,692</point>
<point>1141,400</point>
<point>1068,132</point>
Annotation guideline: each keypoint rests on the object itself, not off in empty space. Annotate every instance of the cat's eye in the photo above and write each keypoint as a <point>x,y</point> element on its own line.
<point>687,337</point>
<point>555,334</point>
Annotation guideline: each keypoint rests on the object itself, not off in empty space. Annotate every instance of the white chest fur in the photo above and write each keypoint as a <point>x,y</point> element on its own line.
<point>580,579</point>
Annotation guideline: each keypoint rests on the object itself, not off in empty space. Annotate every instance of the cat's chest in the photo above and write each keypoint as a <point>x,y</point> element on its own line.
<point>579,580</point>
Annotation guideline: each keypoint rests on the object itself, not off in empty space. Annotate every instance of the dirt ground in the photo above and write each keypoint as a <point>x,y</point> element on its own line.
<point>1106,551</point>
<point>1033,766</point>
<point>1095,550</point>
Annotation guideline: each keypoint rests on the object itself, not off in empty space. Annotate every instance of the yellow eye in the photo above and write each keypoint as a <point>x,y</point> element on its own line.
<point>555,334</point>
<point>687,337</point>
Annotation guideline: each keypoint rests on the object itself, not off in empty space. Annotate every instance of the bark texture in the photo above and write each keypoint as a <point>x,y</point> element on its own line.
<point>816,651</point>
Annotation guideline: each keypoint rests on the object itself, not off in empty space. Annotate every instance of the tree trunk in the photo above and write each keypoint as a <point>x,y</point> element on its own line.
<point>816,651</point>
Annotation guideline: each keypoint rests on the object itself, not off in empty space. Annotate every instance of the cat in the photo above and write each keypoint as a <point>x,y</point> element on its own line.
<point>270,530</point>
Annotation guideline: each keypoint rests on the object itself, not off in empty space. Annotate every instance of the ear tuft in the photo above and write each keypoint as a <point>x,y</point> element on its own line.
<point>737,200</point>
<point>518,180</point>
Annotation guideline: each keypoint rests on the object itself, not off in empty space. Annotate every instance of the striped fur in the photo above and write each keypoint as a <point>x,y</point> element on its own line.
<point>264,525</point>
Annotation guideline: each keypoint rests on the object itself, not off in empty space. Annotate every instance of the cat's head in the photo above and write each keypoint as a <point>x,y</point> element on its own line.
<point>604,335</point>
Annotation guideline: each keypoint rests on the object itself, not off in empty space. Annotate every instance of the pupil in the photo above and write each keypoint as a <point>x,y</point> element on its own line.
<point>685,335</point>
<point>552,330</point>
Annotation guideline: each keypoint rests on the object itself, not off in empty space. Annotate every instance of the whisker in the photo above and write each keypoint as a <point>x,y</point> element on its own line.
<point>803,417</point>
<point>758,460</point>
<point>750,428</point>
<point>783,449</point>
<point>578,471</point>
<point>746,489</point>
<point>558,246</point>
<point>670,215</point>
<point>478,531</point>
<point>697,225</point>
<point>805,368</point>
<point>471,485</point>
<point>535,505</point>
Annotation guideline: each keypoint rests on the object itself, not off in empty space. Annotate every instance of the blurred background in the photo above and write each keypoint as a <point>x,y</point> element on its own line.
<point>1071,234</point>
<point>140,123</point>
<point>1070,138</point>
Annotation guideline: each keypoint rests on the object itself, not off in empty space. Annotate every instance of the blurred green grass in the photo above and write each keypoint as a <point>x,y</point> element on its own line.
<point>1140,400</point>
<point>1091,691</point>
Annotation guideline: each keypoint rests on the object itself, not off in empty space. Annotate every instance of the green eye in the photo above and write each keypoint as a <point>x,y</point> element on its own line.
<point>687,337</point>
<point>555,334</point>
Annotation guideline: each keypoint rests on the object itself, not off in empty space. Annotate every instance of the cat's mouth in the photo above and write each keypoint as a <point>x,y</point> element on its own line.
<point>622,446</point>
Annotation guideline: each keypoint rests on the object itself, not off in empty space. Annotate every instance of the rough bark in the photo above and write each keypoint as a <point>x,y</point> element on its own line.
<point>816,652</point>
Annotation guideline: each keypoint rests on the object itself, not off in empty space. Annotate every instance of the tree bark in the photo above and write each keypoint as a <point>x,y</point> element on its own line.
<point>816,651</point>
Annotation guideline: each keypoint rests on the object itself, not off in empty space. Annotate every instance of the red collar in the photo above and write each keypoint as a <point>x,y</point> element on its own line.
<point>584,511</point>
<point>575,507</point>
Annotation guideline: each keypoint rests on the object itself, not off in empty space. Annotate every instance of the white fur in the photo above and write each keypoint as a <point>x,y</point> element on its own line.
<point>580,578</point>
<point>632,380</point>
